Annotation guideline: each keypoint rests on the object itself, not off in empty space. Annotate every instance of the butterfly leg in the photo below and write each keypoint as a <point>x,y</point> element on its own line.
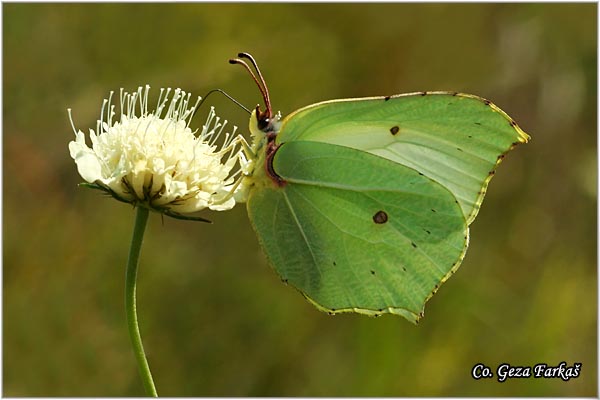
<point>247,157</point>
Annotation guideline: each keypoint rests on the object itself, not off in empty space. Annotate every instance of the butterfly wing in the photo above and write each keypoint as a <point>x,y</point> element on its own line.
<point>455,139</point>
<point>356,232</point>
<point>379,194</point>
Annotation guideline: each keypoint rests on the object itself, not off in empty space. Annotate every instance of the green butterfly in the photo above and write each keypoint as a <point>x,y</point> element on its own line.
<point>364,205</point>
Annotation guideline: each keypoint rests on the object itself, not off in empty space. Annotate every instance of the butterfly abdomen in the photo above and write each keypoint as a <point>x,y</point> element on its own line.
<point>272,148</point>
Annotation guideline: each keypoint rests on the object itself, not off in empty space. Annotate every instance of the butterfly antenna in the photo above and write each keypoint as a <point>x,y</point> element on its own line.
<point>259,83</point>
<point>260,76</point>
<point>226,95</point>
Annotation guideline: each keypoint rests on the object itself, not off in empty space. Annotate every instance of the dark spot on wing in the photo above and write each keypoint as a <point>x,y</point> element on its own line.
<point>459,149</point>
<point>380,217</point>
<point>428,231</point>
<point>404,269</point>
<point>413,244</point>
<point>478,123</point>
<point>470,137</point>
<point>334,264</point>
<point>372,272</point>
<point>394,129</point>
<point>421,174</point>
<point>433,210</point>
<point>386,98</point>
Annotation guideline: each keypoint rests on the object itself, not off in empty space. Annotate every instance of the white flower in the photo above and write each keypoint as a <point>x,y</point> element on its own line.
<point>154,159</point>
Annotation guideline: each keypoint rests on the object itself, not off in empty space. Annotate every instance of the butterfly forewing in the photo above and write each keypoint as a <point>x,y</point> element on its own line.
<point>455,139</point>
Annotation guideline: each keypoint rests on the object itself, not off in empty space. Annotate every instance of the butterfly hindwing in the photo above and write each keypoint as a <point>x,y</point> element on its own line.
<point>356,232</point>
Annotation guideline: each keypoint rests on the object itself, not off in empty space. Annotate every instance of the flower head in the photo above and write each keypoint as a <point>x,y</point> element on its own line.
<point>154,159</point>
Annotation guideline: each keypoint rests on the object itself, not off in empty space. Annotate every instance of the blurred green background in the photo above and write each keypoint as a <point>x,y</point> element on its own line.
<point>215,319</point>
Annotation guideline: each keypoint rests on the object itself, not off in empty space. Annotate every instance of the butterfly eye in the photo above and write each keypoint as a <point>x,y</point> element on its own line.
<point>263,120</point>
<point>263,123</point>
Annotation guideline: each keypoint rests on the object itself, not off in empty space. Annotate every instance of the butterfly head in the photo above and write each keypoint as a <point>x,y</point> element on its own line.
<point>265,121</point>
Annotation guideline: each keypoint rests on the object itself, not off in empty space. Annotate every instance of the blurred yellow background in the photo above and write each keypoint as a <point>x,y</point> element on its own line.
<point>215,319</point>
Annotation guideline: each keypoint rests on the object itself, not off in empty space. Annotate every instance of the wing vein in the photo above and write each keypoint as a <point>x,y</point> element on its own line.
<point>406,238</point>
<point>312,254</point>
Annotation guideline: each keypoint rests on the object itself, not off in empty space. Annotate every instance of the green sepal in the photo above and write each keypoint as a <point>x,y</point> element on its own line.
<point>175,215</point>
<point>161,210</point>
<point>102,187</point>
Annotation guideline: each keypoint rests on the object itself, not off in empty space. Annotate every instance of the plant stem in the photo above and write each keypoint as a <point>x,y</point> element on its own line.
<point>141,217</point>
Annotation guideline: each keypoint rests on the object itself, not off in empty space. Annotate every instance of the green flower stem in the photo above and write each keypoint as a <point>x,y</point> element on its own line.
<point>141,217</point>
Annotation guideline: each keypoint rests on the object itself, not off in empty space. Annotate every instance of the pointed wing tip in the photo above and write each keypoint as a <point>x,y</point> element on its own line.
<point>522,136</point>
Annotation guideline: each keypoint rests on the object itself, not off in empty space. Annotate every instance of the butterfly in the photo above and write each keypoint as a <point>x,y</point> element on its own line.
<point>364,205</point>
